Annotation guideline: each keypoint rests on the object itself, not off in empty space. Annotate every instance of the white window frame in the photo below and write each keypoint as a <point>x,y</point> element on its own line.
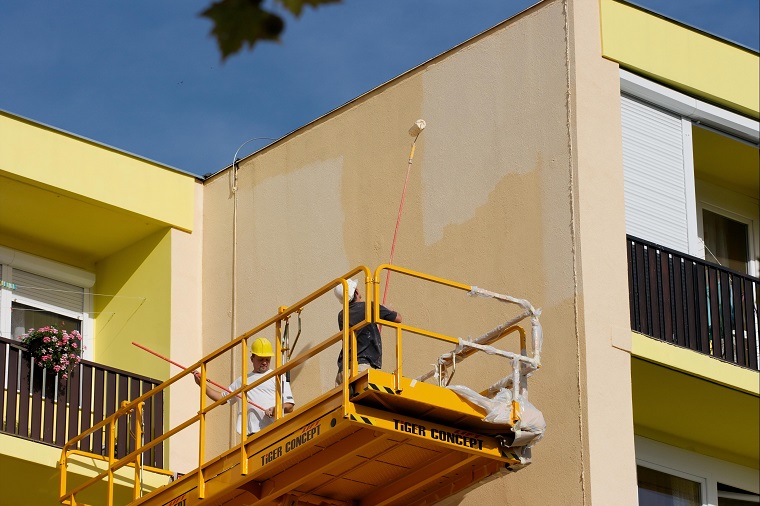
<point>10,259</point>
<point>701,480</point>
<point>735,206</point>
<point>690,185</point>
<point>695,467</point>
<point>695,110</point>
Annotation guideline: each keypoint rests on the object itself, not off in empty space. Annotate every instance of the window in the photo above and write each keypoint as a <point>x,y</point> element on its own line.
<point>672,476</point>
<point>729,228</point>
<point>726,241</point>
<point>657,488</point>
<point>25,317</point>
<point>36,292</point>
<point>734,496</point>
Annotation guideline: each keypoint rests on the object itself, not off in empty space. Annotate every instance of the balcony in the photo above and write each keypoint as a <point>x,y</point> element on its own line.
<point>688,302</point>
<point>38,406</point>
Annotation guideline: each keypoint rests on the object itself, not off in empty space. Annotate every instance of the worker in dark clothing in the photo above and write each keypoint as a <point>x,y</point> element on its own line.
<point>369,345</point>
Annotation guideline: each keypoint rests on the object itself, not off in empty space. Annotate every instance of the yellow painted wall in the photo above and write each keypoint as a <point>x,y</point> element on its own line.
<point>696,414</point>
<point>685,59</point>
<point>696,364</point>
<point>134,304</point>
<point>96,172</point>
<point>673,388</point>
<point>29,475</point>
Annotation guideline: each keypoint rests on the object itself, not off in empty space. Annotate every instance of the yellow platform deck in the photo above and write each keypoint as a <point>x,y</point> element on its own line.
<point>389,451</point>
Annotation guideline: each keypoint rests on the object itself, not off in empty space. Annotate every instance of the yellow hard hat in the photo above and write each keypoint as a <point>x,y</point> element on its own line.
<point>262,348</point>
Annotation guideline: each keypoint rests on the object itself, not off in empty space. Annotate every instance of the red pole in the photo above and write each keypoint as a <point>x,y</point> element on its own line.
<point>183,368</point>
<point>398,220</point>
<point>418,127</point>
<point>401,210</point>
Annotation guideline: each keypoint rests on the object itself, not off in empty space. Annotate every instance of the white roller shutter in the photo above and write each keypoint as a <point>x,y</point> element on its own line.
<point>48,291</point>
<point>656,184</point>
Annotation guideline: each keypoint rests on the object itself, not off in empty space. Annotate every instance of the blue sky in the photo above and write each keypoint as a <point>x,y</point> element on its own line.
<point>144,76</point>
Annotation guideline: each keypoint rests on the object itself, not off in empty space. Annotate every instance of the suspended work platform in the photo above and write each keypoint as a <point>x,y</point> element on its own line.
<point>378,439</point>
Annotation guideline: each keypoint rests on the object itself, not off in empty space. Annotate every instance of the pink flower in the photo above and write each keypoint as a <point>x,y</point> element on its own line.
<point>64,376</point>
<point>57,368</point>
<point>73,345</point>
<point>46,339</point>
<point>71,355</point>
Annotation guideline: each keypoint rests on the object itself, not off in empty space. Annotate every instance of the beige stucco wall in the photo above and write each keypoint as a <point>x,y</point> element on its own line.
<point>186,318</point>
<point>601,264</point>
<point>496,198</point>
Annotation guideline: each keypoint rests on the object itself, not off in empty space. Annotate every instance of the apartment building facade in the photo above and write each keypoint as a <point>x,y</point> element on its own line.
<point>594,158</point>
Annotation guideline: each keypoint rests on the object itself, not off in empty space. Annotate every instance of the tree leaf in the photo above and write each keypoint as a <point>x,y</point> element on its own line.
<point>296,6</point>
<point>238,22</point>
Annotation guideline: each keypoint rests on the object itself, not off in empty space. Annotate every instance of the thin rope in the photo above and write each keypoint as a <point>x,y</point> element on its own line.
<point>79,292</point>
<point>48,311</point>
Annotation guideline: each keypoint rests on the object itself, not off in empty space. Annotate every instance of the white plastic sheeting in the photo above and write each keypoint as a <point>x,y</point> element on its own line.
<point>529,429</point>
<point>530,426</point>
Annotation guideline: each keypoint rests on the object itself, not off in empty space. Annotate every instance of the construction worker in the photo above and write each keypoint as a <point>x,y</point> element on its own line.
<point>259,415</point>
<point>369,345</point>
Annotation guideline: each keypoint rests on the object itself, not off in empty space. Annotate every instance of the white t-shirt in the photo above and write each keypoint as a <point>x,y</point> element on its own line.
<point>263,395</point>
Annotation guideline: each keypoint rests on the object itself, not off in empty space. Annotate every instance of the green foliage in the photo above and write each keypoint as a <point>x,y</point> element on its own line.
<point>239,22</point>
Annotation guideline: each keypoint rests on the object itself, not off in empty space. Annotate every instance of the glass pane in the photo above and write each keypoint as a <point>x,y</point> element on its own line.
<point>661,489</point>
<point>25,317</point>
<point>725,501</point>
<point>733,496</point>
<point>726,241</point>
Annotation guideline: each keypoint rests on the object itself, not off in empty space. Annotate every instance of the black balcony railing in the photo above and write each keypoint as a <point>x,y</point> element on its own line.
<point>39,406</point>
<point>692,303</point>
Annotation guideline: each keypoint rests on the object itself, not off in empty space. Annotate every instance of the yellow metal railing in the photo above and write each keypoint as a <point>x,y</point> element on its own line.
<point>349,367</point>
<point>518,360</point>
<point>400,327</point>
<point>134,458</point>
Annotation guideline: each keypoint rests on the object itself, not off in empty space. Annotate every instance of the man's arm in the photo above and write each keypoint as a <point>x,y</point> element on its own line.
<point>387,314</point>
<point>212,393</point>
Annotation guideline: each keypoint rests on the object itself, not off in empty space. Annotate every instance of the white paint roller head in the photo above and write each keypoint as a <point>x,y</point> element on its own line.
<point>418,127</point>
